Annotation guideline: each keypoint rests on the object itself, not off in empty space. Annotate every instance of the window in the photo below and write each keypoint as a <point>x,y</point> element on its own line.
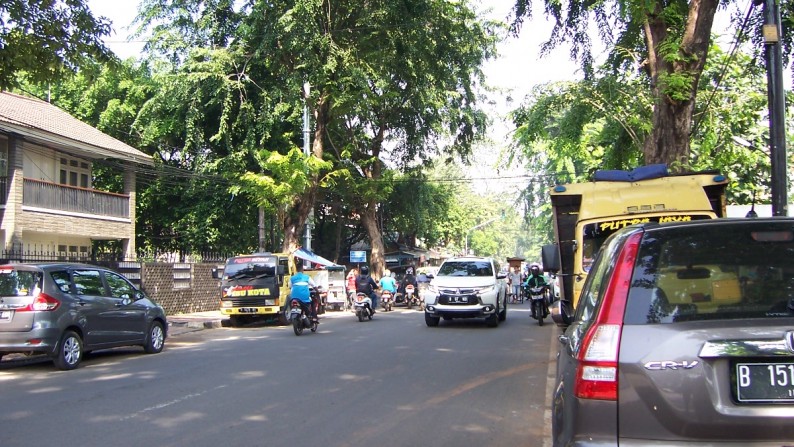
<point>119,287</point>
<point>88,282</point>
<point>702,274</point>
<point>3,157</point>
<point>61,279</point>
<point>74,172</point>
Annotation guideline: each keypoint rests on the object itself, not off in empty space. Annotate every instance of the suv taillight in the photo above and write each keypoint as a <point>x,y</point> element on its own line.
<point>42,302</point>
<point>597,374</point>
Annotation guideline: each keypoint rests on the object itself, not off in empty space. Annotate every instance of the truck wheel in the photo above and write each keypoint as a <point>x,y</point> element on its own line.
<point>235,321</point>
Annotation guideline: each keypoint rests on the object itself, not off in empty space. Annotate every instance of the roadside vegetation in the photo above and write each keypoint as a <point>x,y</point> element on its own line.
<point>397,102</point>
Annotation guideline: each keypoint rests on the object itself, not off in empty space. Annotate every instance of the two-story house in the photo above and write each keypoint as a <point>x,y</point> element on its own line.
<point>47,201</point>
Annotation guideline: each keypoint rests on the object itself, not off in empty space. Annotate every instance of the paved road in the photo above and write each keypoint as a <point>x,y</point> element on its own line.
<point>389,382</point>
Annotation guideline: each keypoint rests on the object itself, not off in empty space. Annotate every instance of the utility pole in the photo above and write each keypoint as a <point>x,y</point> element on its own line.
<point>777,105</point>
<point>306,151</point>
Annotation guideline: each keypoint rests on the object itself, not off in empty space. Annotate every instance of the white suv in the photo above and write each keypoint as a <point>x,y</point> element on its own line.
<point>466,287</point>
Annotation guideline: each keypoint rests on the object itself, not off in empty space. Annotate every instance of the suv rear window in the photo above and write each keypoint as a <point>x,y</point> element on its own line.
<point>696,273</point>
<point>19,282</point>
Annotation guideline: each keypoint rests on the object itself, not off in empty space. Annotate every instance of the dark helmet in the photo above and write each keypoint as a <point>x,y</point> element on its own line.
<point>534,269</point>
<point>364,271</point>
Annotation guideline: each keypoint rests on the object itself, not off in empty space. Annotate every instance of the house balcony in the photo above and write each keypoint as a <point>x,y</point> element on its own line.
<point>70,199</point>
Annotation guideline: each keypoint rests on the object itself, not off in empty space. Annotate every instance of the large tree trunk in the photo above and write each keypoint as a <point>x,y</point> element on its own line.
<point>295,221</point>
<point>669,140</point>
<point>369,219</point>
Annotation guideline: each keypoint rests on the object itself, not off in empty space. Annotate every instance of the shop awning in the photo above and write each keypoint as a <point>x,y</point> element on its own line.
<point>317,260</point>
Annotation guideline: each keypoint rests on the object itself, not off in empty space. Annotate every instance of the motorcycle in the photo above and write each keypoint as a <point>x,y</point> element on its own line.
<point>300,320</point>
<point>537,296</point>
<point>387,300</point>
<point>411,297</point>
<point>363,306</point>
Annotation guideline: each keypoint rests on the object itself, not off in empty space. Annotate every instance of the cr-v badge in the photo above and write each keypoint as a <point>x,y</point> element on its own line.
<point>667,364</point>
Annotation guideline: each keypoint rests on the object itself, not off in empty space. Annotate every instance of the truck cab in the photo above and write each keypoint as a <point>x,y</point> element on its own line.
<point>585,214</point>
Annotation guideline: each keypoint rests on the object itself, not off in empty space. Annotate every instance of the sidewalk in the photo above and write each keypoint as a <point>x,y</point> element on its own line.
<point>183,323</point>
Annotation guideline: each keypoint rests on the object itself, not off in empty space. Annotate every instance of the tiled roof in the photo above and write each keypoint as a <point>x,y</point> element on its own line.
<point>35,118</point>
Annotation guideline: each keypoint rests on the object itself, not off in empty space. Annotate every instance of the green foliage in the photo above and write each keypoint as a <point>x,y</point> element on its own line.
<point>43,41</point>
<point>286,178</point>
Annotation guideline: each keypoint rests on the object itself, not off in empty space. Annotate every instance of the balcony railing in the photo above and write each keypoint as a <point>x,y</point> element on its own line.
<point>53,196</point>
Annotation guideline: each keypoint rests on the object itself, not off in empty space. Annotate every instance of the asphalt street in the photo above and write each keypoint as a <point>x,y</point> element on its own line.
<point>390,381</point>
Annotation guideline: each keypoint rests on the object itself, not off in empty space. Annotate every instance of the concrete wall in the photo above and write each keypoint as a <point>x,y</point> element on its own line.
<point>199,293</point>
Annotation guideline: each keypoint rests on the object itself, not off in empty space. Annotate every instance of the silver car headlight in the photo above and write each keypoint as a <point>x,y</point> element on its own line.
<point>486,289</point>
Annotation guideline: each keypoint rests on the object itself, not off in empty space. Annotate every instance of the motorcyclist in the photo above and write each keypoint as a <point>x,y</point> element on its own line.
<point>536,279</point>
<point>409,278</point>
<point>388,284</point>
<point>365,284</point>
<point>300,289</point>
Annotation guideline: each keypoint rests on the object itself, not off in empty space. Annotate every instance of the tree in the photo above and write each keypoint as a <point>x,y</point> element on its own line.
<point>667,42</point>
<point>47,39</point>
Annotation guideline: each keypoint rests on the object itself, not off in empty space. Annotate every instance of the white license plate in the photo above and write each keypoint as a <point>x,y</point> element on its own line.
<point>765,382</point>
<point>5,315</point>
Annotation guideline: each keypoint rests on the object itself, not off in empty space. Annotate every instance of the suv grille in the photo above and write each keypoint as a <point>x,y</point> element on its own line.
<point>458,299</point>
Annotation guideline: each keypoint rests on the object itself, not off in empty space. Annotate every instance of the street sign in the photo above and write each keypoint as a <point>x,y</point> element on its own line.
<point>358,256</point>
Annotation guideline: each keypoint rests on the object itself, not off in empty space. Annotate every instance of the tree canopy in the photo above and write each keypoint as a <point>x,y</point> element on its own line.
<point>47,39</point>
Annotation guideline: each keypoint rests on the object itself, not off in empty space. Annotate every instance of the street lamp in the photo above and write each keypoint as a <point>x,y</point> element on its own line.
<point>474,228</point>
<point>777,105</point>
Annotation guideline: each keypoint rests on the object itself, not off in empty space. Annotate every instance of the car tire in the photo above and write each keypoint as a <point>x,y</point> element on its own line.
<point>431,321</point>
<point>493,319</point>
<point>503,312</point>
<point>155,338</point>
<point>69,351</point>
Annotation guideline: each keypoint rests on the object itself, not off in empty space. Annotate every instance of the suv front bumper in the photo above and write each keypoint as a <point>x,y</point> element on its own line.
<point>461,305</point>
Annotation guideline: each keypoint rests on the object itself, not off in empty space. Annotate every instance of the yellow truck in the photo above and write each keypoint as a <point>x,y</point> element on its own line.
<point>585,214</point>
<point>256,286</point>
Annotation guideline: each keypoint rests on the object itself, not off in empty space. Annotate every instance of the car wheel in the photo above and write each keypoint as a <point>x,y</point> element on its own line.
<point>155,339</point>
<point>431,321</point>
<point>69,351</point>
<point>493,319</point>
<point>503,313</point>
<point>282,319</point>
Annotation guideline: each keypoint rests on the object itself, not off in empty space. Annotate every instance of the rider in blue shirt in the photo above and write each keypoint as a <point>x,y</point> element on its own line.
<point>300,289</point>
<point>388,283</point>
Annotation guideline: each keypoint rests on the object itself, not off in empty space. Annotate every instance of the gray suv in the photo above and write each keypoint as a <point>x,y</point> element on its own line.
<point>683,335</point>
<point>66,310</point>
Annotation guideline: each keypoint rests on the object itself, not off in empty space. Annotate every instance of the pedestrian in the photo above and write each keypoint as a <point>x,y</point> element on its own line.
<point>351,286</point>
<point>514,279</point>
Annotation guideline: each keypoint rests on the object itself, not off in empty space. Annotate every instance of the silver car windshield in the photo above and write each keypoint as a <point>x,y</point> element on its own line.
<point>688,274</point>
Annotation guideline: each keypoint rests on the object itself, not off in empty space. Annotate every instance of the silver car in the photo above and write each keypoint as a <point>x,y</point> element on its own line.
<point>683,335</point>
<point>65,310</point>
